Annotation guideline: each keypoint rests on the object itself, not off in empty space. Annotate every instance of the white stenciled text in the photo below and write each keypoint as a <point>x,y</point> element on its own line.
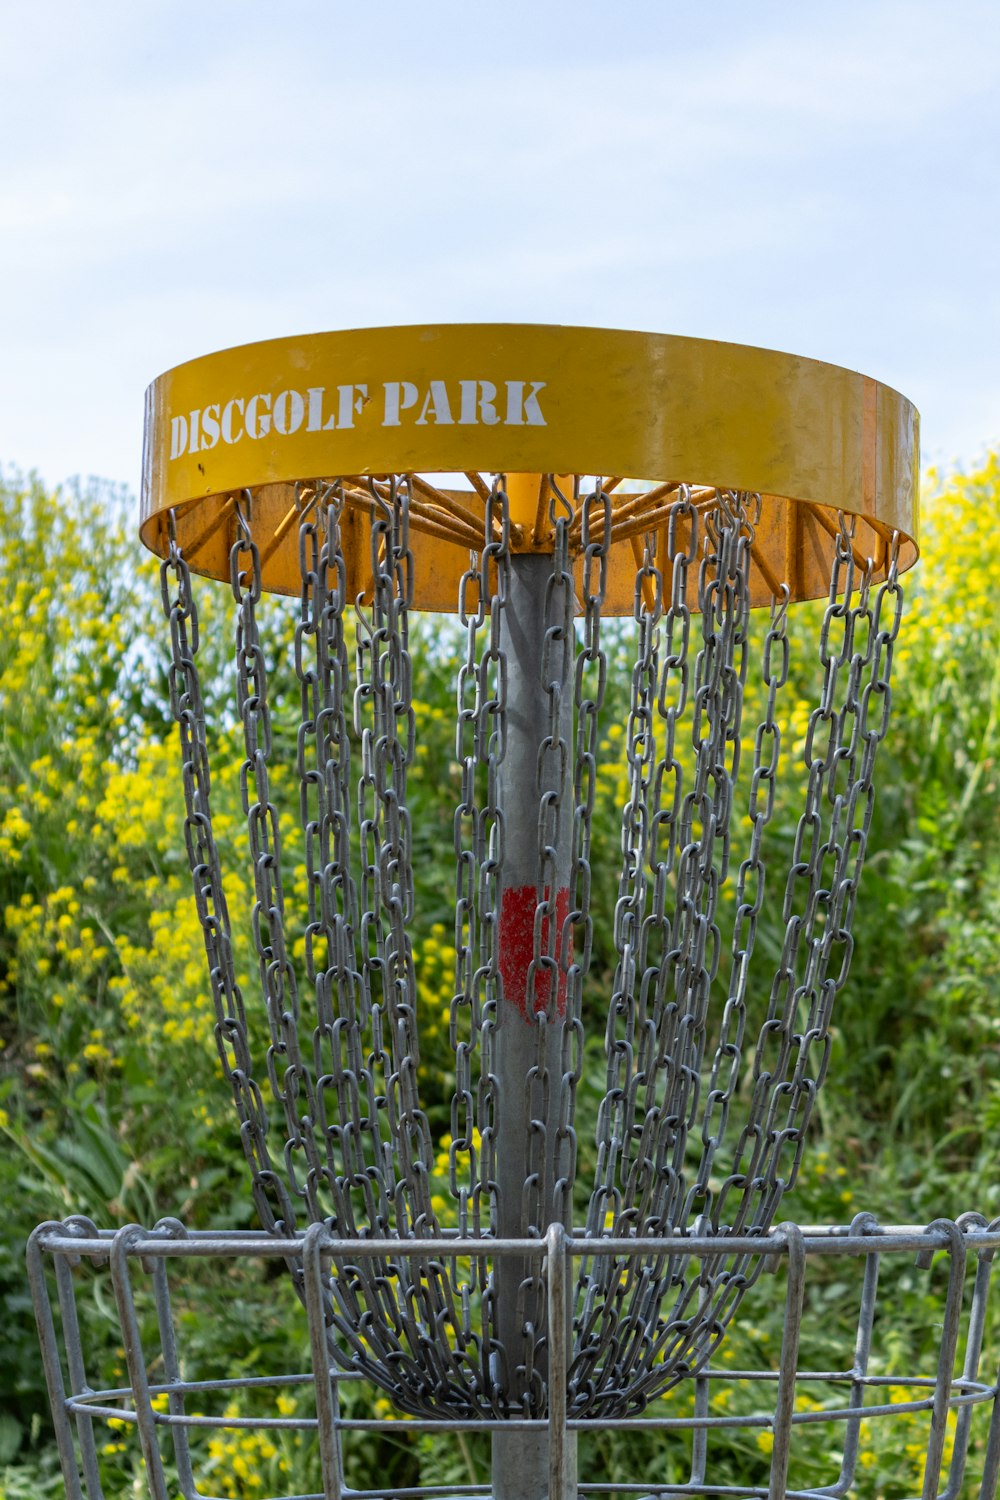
<point>340,408</point>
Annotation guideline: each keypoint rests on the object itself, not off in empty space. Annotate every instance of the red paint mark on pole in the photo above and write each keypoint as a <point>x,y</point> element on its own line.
<point>518,907</point>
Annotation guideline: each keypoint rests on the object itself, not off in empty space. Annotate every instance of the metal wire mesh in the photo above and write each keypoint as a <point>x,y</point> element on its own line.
<point>857,1424</point>
<point>714,1052</point>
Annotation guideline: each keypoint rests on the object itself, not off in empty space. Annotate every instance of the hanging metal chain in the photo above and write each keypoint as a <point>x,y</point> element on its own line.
<point>271,1197</point>
<point>842,740</point>
<point>464,1013</point>
<point>342,1048</point>
<point>406,1322</point>
<point>473,1109</point>
<point>548,1187</point>
<point>387,746</point>
<point>590,684</point>
<point>290,1080</point>
<point>749,898</point>
<point>346,1096</point>
<point>657,1023</point>
<point>720,677</point>
<point>629,1339</point>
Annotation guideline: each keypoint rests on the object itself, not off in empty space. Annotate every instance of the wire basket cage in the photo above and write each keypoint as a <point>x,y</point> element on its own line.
<point>855,1425</point>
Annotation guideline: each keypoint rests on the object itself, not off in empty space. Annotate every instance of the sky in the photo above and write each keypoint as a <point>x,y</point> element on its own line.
<point>179,177</point>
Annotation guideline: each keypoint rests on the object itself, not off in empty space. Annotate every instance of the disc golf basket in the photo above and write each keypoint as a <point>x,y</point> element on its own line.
<point>542,485</point>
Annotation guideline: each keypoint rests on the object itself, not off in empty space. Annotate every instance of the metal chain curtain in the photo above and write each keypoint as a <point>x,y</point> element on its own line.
<point>706,1101</point>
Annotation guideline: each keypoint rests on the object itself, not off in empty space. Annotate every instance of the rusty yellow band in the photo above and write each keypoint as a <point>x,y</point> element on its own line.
<point>525,399</point>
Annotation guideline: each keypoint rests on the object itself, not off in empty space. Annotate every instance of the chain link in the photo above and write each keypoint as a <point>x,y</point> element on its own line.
<point>677,1148</point>
<point>271,1197</point>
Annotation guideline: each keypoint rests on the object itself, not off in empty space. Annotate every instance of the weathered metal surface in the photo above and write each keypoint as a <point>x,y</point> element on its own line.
<point>809,437</point>
<point>535,1145</point>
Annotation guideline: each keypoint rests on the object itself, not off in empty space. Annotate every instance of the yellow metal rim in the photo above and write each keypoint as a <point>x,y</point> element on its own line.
<point>481,399</point>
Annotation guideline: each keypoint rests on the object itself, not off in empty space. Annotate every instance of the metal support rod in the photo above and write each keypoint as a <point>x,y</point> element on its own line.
<point>135,1359</point>
<point>529,1045</point>
<point>51,1363</point>
<point>784,1405</point>
<point>561,1458</point>
<point>326,1390</point>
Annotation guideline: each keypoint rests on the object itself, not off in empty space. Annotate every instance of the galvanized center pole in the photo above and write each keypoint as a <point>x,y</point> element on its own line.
<point>536,796</point>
